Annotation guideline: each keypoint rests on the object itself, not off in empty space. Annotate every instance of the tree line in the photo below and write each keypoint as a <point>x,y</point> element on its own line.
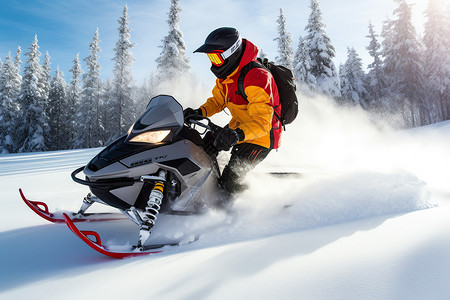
<point>409,77</point>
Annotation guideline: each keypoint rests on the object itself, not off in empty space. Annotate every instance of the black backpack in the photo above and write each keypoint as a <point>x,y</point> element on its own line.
<point>286,88</point>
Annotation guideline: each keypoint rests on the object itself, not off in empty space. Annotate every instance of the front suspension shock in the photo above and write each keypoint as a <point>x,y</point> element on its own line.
<point>152,209</point>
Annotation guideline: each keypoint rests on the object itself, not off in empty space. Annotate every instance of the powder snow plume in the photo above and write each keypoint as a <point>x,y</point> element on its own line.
<point>349,169</point>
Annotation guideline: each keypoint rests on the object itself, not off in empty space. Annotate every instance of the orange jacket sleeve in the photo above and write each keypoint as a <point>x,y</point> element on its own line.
<point>216,103</point>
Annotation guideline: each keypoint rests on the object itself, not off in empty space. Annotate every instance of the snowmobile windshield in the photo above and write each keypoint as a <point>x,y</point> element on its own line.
<point>162,121</point>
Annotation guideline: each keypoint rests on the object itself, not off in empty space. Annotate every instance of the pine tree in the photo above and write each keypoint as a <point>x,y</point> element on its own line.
<point>352,80</point>
<point>374,76</point>
<point>89,130</point>
<point>388,55</point>
<point>302,68</point>
<point>58,113</point>
<point>46,77</point>
<point>172,62</point>
<point>73,99</point>
<point>10,82</point>
<point>390,102</point>
<point>17,60</point>
<point>45,86</point>
<point>32,136</point>
<point>321,53</point>
<point>437,60</point>
<point>285,51</point>
<point>403,66</point>
<point>108,112</point>
<point>122,104</point>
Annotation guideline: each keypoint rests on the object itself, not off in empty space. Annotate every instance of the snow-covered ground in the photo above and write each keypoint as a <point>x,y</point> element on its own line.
<point>368,219</point>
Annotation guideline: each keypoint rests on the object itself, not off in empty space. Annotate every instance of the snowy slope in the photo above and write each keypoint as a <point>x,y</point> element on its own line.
<point>368,219</point>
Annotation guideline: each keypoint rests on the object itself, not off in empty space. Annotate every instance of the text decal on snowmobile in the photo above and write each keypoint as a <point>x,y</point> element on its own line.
<point>147,161</point>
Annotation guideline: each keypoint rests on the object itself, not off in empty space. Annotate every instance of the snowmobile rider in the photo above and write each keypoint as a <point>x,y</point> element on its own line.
<point>253,130</point>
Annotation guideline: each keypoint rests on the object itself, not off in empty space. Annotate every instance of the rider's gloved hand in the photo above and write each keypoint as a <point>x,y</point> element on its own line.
<point>192,114</point>
<point>227,138</point>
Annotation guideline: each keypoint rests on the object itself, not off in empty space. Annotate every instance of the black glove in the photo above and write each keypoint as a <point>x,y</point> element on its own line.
<point>227,138</point>
<point>192,114</point>
<point>209,147</point>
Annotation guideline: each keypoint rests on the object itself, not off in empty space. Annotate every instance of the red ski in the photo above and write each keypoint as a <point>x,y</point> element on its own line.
<point>41,209</point>
<point>96,243</point>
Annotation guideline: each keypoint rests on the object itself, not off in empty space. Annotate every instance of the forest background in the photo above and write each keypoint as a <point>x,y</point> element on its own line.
<point>406,83</point>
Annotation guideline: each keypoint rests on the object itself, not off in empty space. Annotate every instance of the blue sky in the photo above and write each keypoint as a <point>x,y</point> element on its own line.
<point>65,28</point>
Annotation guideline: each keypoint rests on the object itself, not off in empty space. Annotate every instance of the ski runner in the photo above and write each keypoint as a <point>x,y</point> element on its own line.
<point>253,130</point>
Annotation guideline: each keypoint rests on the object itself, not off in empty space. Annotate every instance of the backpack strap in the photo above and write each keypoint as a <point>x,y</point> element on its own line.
<point>245,69</point>
<point>240,83</point>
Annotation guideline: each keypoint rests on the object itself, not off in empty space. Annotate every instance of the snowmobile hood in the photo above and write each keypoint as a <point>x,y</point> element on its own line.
<point>163,112</point>
<point>158,126</point>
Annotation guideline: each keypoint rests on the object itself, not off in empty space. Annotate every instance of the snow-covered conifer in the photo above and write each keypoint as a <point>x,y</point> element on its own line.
<point>321,53</point>
<point>46,77</point>
<point>89,129</point>
<point>108,112</point>
<point>375,74</point>
<point>121,104</point>
<point>437,60</point>
<point>388,46</point>
<point>17,59</point>
<point>173,62</point>
<point>10,82</point>
<point>45,85</point>
<point>302,68</point>
<point>32,135</point>
<point>284,39</point>
<point>390,101</point>
<point>403,66</point>
<point>73,99</point>
<point>58,114</point>
<point>352,77</point>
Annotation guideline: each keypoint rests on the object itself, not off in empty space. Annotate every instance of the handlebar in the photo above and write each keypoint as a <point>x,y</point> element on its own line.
<point>209,126</point>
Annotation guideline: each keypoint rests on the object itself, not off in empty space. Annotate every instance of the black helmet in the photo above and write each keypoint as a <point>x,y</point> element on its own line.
<point>224,48</point>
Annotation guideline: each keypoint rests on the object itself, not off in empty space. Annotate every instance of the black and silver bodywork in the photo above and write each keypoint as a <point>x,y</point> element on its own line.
<point>159,150</point>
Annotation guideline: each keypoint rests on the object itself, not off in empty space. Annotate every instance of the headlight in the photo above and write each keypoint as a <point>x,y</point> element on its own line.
<point>151,137</point>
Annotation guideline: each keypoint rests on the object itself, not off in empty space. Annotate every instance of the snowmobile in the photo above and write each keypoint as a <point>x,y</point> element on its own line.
<point>160,166</point>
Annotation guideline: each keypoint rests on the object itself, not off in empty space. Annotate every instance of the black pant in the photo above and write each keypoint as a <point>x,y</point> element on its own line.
<point>244,157</point>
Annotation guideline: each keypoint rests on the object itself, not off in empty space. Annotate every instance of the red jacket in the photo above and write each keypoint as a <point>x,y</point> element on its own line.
<point>255,117</point>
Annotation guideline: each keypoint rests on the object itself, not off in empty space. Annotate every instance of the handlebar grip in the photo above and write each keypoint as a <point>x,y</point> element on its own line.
<point>215,129</point>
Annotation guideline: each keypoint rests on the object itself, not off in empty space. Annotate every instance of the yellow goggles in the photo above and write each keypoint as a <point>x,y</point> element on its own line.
<point>216,58</point>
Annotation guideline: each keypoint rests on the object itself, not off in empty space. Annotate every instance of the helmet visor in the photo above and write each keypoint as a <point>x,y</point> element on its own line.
<point>216,58</point>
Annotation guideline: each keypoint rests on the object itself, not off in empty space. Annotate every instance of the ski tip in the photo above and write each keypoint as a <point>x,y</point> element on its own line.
<point>99,247</point>
<point>40,208</point>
